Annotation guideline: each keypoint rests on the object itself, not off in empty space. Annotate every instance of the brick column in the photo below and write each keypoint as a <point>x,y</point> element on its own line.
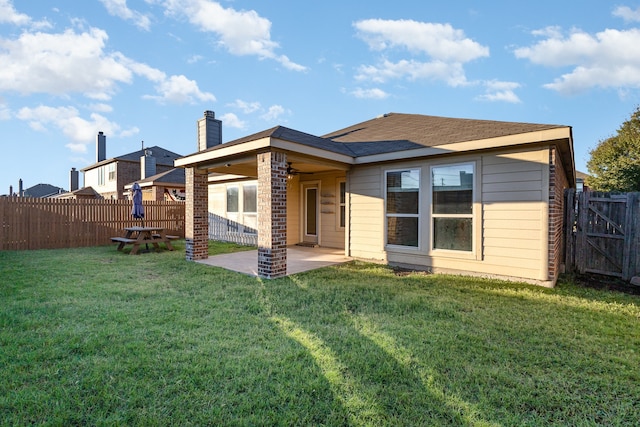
<point>196,215</point>
<point>272,214</point>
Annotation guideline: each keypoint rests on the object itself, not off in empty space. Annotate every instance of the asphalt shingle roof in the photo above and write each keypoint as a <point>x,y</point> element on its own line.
<point>397,132</point>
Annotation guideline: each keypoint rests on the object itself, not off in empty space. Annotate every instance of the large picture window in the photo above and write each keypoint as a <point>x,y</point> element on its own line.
<point>402,211</point>
<point>452,206</point>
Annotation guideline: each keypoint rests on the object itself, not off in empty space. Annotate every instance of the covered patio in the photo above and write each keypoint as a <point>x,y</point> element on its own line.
<point>299,260</point>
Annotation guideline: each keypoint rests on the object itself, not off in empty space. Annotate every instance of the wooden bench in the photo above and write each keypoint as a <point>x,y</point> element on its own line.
<point>122,240</point>
<point>168,236</point>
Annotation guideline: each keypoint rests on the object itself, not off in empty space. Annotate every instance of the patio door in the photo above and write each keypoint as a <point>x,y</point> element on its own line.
<point>310,213</point>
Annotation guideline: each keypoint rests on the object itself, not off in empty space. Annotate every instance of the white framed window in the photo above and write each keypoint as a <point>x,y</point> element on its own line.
<point>112,172</point>
<point>233,199</point>
<point>452,212</point>
<point>250,198</point>
<point>402,209</point>
<point>101,175</point>
<point>342,204</point>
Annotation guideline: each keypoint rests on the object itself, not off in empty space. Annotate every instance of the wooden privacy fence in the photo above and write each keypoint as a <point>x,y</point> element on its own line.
<point>35,223</point>
<point>603,233</point>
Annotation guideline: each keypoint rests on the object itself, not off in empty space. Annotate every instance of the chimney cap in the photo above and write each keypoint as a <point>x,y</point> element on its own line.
<point>209,113</point>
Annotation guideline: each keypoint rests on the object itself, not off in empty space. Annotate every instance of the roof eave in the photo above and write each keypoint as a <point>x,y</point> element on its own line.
<point>467,146</point>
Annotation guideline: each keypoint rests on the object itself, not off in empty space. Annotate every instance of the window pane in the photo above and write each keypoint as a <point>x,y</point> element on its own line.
<point>453,202</point>
<point>343,199</point>
<point>249,198</point>
<point>452,233</point>
<point>232,199</point>
<point>312,207</point>
<point>402,231</point>
<point>402,191</point>
<point>452,189</point>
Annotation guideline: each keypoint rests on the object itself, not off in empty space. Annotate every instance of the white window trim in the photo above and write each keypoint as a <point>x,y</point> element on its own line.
<point>340,205</point>
<point>397,248</point>
<point>475,215</point>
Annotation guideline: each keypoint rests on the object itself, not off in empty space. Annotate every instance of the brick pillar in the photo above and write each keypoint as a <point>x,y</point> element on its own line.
<point>272,214</point>
<point>196,215</point>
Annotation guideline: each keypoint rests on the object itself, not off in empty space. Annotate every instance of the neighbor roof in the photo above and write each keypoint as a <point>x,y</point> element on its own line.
<point>162,156</point>
<point>174,176</point>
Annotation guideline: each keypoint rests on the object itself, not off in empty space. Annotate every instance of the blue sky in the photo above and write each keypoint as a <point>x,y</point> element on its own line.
<point>146,70</point>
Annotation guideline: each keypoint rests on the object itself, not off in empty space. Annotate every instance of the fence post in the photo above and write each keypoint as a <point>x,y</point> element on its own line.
<point>569,229</point>
<point>631,264</point>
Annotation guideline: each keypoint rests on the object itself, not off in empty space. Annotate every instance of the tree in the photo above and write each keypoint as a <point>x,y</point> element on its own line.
<point>615,162</point>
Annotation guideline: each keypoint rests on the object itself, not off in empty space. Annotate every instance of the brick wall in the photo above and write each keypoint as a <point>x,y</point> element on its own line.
<point>557,184</point>
<point>196,215</point>
<point>272,214</point>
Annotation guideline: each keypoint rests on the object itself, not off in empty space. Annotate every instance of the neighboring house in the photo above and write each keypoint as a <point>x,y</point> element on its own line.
<point>109,176</point>
<point>42,190</point>
<point>581,181</point>
<point>164,186</point>
<point>84,193</point>
<point>454,195</point>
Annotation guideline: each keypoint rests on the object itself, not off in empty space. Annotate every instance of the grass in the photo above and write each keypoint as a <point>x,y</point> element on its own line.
<point>96,337</point>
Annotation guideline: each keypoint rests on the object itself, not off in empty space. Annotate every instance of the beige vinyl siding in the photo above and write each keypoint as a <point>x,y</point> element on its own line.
<point>217,199</point>
<point>293,211</point>
<point>330,234</point>
<point>514,229</point>
<point>511,209</point>
<point>366,213</point>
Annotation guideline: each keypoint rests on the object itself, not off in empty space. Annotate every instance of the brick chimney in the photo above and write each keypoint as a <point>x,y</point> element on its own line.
<point>147,165</point>
<point>73,179</point>
<point>209,131</point>
<point>101,147</point>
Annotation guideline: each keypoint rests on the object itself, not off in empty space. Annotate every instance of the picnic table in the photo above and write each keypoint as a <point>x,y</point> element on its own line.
<point>137,236</point>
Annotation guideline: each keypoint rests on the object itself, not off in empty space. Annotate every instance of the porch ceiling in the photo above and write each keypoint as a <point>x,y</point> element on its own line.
<point>247,166</point>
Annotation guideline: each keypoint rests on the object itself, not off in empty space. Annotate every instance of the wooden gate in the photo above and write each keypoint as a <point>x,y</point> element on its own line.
<point>603,233</point>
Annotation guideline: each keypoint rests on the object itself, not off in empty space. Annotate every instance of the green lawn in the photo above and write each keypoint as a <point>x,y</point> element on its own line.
<point>97,337</point>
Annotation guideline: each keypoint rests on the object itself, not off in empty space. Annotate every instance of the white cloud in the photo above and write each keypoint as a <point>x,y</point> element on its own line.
<point>628,14</point>
<point>447,49</point>
<point>231,120</point>
<point>607,59</point>
<point>179,90</point>
<point>61,63</point>
<point>439,41</point>
<point>9,15</point>
<point>69,62</point>
<point>373,93</point>
<point>100,107</point>
<point>499,91</point>
<point>240,32</point>
<point>119,8</point>
<point>273,113</point>
<point>386,70</point>
<point>193,59</point>
<point>67,119</point>
<point>245,107</point>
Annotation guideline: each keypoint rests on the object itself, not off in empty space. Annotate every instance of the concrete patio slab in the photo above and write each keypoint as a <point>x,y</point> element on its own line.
<point>299,259</point>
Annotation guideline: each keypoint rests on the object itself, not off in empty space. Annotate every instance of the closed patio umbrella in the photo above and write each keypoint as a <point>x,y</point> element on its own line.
<point>138,210</point>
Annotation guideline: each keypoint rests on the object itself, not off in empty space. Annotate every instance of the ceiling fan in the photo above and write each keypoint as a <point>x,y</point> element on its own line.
<point>293,171</point>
